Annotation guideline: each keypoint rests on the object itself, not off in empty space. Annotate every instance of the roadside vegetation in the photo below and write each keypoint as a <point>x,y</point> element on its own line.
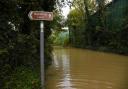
<point>60,38</point>
<point>19,43</point>
<point>99,25</point>
<point>22,78</point>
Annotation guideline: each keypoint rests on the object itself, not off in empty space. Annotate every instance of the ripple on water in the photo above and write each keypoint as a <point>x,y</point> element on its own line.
<point>83,69</point>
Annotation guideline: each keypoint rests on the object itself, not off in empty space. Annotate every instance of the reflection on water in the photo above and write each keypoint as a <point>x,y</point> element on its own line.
<point>84,69</point>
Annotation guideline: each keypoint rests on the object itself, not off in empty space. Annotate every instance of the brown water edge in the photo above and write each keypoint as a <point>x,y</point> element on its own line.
<point>75,68</point>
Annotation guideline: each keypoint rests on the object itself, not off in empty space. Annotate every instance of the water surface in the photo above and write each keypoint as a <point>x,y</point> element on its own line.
<point>85,69</point>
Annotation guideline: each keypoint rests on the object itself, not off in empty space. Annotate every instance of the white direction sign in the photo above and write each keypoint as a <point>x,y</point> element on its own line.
<point>40,15</point>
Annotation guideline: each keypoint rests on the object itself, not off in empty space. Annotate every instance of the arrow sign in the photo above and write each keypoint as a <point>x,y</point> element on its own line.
<point>40,15</point>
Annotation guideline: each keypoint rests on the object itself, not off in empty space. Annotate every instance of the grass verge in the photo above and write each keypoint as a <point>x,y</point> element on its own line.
<point>23,78</point>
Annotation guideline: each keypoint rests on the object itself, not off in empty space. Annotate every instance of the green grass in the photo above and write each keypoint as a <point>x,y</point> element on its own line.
<point>23,78</point>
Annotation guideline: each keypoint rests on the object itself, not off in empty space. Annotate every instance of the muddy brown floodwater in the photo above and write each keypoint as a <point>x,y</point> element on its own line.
<point>74,68</point>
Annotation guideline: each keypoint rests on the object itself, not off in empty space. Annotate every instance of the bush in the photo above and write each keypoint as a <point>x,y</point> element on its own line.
<point>23,78</point>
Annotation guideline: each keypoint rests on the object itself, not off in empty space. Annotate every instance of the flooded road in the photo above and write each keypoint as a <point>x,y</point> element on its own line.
<point>85,69</point>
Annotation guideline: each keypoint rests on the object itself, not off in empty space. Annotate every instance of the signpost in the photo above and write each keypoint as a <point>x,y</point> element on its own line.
<point>41,15</point>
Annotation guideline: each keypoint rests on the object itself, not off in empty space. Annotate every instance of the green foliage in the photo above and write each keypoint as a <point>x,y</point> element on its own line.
<point>105,29</point>
<point>83,5</point>
<point>56,24</point>
<point>19,40</point>
<point>60,38</point>
<point>75,18</point>
<point>76,27</point>
<point>23,78</point>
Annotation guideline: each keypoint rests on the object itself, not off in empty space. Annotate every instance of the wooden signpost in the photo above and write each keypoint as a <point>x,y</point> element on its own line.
<point>41,16</point>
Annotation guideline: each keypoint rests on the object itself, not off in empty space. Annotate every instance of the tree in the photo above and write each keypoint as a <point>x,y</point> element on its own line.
<point>102,14</point>
<point>7,37</point>
<point>75,23</point>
